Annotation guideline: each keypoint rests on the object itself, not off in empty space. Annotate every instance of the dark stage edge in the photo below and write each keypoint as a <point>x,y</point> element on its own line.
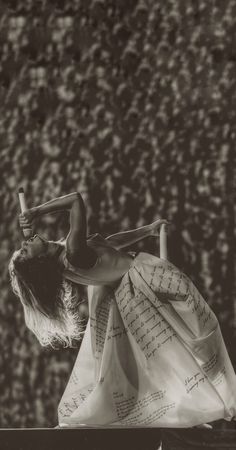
<point>88,438</point>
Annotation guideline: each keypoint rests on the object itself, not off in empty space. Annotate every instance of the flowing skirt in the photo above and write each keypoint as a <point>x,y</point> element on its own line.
<point>152,355</point>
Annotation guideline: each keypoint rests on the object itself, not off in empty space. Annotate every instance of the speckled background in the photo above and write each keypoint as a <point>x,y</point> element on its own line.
<point>132,103</point>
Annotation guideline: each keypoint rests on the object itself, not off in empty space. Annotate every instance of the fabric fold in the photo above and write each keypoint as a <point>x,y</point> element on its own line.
<point>155,355</point>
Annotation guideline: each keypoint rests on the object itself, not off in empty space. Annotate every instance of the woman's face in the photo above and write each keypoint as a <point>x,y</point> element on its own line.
<point>33,247</point>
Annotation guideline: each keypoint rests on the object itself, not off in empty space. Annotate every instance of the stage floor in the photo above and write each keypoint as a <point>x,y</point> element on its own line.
<point>115,438</point>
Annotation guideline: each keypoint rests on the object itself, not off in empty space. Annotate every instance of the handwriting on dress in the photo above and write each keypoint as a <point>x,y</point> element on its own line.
<point>72,402</point>
<point>194,381</point>
<point>143,320</point>
<point>144,410</point>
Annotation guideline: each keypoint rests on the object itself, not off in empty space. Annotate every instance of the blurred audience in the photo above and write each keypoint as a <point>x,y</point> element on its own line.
<point>131,103</point>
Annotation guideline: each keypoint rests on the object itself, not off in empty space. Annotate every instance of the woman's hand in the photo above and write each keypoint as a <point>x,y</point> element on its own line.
<point>27,218</point>
<point>155,226</point>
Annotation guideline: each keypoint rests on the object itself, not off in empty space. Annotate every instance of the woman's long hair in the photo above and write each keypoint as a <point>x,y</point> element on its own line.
<point>51,304</point>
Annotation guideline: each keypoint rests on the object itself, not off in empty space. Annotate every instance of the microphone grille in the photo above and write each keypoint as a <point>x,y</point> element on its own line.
<point>21,190</point>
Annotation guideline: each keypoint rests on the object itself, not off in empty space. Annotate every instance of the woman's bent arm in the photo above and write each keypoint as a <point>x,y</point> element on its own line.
<point>77,251</point>
<point>126,238</point>
<point>62,203</point>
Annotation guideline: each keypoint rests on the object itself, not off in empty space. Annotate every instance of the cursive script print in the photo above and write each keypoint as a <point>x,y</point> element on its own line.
<point>144,320</point>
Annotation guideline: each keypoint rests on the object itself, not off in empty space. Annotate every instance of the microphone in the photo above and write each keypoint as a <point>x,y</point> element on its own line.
<point>163,241</point>
<point>27,231</point>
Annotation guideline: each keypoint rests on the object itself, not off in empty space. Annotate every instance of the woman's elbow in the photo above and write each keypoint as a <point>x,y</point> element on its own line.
<point>77,198</point>
<point>76,195</point>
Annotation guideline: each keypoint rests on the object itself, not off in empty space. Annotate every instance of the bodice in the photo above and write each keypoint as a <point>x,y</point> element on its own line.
<point>110,266</point>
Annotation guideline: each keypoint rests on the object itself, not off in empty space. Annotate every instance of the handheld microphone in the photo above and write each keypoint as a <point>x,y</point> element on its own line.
<point>163,241</point>
<point>27,231</point>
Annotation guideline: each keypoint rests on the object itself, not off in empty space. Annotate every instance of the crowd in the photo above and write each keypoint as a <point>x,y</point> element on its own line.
<point>132,104</point>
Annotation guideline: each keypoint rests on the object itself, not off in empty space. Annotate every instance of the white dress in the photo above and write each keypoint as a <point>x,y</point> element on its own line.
<point>152,354</point>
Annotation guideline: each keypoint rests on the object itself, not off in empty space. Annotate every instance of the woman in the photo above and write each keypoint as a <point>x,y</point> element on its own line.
<point>152,352</point>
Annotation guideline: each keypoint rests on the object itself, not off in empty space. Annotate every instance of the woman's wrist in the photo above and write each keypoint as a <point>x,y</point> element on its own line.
<point>150,229</point>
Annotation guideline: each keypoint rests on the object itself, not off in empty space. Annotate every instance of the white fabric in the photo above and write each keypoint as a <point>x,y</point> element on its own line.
<point>152,355</point>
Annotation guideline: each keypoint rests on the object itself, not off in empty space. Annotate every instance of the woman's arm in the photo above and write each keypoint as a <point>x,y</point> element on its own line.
<point>77,251</point>
<point>57,204</point>
<point>62,203</point>
<point>126,238</point>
